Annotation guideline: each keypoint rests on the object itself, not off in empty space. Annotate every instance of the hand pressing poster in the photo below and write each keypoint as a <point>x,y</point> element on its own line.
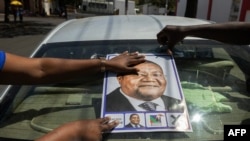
<point>146,101</point>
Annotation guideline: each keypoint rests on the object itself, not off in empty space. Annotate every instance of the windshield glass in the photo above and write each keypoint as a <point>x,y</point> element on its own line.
<point>213,78</point>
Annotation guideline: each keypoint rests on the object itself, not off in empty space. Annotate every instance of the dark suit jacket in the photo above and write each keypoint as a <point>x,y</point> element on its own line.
<point>131,126</point>
<point>116,102</point>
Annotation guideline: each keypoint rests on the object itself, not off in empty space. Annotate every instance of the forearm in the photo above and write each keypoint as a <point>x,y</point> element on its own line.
<point>232,32</point>
<point>20,70</point>
<point>67,132</point>
<point>57,70</point>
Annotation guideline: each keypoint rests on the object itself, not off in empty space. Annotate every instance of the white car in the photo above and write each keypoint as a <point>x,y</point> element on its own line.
<point>212,74</point>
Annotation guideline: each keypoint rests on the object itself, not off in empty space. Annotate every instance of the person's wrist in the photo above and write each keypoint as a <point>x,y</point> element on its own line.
<point>103,64</point>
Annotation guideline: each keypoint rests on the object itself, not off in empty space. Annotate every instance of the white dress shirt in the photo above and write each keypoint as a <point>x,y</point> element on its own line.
<point>137,102</point>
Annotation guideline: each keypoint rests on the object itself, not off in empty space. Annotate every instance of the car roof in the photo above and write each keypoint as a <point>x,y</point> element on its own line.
<point>116,27</point>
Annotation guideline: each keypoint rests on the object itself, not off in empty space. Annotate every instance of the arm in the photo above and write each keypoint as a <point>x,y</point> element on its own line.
<point>231,32</point>
<point>22,70</point>
<point>83,130</point>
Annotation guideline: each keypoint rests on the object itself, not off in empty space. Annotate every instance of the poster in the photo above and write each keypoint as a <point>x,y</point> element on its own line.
<point>150,100</point>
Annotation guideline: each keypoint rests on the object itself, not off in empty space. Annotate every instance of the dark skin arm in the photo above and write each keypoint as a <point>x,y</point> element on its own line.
<point>237,33</point>
<point>22,70</point>
<point>83,130</point>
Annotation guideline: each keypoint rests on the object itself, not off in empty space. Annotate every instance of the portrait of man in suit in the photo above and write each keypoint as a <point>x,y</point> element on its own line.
<point>134,121</point>
<point>142,91</point>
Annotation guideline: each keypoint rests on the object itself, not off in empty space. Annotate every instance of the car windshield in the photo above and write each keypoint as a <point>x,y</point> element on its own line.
<point>212,75</point>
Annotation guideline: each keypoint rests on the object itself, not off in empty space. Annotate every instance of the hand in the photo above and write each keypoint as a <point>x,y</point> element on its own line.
<point>92,130</point>
<point>82,130</point>
<point>170,36</point>
<point>124,62</point>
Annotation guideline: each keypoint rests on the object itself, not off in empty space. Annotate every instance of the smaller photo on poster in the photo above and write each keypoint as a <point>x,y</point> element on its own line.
<point>156,120</point>
<point>177,120</point>
<point>135,120</point>
<point>118,117</point>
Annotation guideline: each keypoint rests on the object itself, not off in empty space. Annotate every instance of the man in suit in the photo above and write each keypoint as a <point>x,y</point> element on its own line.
<point>142,91</point>
<point>134,121</point>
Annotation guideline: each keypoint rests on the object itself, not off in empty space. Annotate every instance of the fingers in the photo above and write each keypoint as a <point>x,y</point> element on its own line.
<point>135,54</point>
<point>125,53</point>
<point>135,57</point>
<point>131,54</point>
<point>162,38</point>
<point>105,120</point>
<point>169,52</point>
<point>170,48</point>
<point>107,125</point>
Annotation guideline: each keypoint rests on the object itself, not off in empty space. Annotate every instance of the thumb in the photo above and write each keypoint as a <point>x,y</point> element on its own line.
<point>170,48</point>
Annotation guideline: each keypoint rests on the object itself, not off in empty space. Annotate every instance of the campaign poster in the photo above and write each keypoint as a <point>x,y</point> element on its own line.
<point>148,100</point>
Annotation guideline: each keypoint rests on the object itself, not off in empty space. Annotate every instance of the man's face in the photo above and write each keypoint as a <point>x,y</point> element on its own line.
<point>148,84</point>
<point>135,119</point>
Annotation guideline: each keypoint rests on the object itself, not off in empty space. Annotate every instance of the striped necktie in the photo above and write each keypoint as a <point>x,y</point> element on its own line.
<point>149,106</point>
